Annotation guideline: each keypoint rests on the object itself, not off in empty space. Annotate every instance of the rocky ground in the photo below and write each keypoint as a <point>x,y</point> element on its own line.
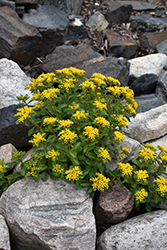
<point>97,38</point>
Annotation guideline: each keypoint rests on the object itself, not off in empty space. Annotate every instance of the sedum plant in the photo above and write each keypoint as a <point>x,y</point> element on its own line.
<point>77,122</point>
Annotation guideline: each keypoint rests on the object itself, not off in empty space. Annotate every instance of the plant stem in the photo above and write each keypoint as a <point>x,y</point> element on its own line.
<point>54,133</point>
<point>5,180</point>
<point>54,107</point>
<point>34,124</point>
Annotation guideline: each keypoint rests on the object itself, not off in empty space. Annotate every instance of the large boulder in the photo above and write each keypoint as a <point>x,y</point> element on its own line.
<point>48,215</point>
<point>12,83</point>
<point>146,231</point>
<point>4,232</point>
<point>85,58</point>
<point>51,23</point>
<point>18,41</point>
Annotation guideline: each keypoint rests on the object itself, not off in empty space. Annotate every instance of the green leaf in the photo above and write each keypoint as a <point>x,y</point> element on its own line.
<point>42,167</point>
<point>148,207</point>
<point>119,183</point>
<point>78,184</point>
<point>44,176</point>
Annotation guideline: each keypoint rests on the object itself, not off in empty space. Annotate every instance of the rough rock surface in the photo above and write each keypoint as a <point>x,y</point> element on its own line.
<point>51,23</point>
<point>85,58</point>
<point>147,231</point>
<point>150,64</point>
<point>12,82</point>
<point>113,207</point>
<point>145,84</point>
<point>10,132</point>
<point>4,235</point>
<point>18,41</point>
<point>6,153</point>
<point>149,125</point>
<point>48,215</point>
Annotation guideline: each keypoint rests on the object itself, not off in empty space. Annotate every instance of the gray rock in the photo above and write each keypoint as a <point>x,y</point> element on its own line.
<point>147,231</point>
<point>113,207</point>
<point>97,22</point>
<point>120,46</point>
<point>68,6</point>
<point>150,64</point>
<point>148,23</point>
<point>147,102</point>
<point>9,4</point>
<point>120,15</point>
<point>76,31</point>
<point>18,41</point>
<point>145,84</point>
<point>162,47</point>
<point>10,132</point>
<point>12,83</point>
<point>161,89</point>
<point>139,5</point>
<point>153,40</point>
<point>149,125</point>
<point>85,58</point>
<point>51,23</point>
<point>4,232</point>
<point>6,153</point>
<point>49,215</point>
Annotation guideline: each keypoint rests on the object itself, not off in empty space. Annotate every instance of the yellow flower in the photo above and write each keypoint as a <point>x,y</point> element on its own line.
<point>141,195</point>
<point>80,114</point>
<point>99,105</point>
<point>129,109</point>
<point>73,174</point>
<point>67,136</point>
<point>102,121</point>
<point>163,157</point>
<point>118,136</point>
<point>24,113</point>
<point>147,145</point>
<point>88,85</point>
<point>100,182</point>
<point>91,132</point>
<point>147,154</point>
<point>98,75</point>
<point>50,93</point>
<point>114,90</point>
<point>122,121</point>
<point>53,154</point>
<point>67,84</point>
<point>57,168</point>
<point>38,105</point>
<point>65,123</point>
<point>77,72</point>
<point>113,81</point>
<point>162,149</point>
<point>38,138</point>
<point>32,171</point>
<point>16,154</point>
<point>49,121</point>
<point>2,166</point>
<point>162,185</point>
<point>98,81</point>
<point>125,151</point>
<point>36,96</point>
<point>104,154</point>
<point>126,168</point>
<point>74,106</point>
<point>141,175</point>
<point>128,93</point>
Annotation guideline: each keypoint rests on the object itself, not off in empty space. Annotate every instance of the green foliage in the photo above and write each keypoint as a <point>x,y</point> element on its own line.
<point>77,123</point>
